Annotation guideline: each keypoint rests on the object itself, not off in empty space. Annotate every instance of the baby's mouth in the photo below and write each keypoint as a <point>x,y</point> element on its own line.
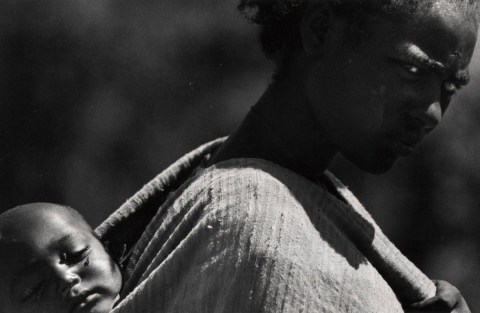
<point>83,300</point>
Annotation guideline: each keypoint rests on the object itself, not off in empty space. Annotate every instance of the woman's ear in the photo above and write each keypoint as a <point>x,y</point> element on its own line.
<point>315,27</point>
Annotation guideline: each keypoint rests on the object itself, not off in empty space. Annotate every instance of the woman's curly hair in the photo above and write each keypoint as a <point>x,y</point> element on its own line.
<point>279,20</point>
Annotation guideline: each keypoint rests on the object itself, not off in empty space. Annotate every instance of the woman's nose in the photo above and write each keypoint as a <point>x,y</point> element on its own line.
<point>429,116</point>
<point>429,108</point>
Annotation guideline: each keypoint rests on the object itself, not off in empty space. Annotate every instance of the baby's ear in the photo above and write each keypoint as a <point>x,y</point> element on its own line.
<point>119,256</point>
<point>106,245</point>
<point>114,254</point>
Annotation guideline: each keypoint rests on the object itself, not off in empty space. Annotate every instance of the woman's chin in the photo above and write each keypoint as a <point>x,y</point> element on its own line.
<point>374,165</point>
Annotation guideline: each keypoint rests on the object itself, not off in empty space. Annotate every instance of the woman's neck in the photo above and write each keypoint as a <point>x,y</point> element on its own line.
<point>280,128</point>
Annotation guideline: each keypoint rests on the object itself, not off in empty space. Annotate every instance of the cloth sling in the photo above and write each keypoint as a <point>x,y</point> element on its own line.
<point>246,235</point>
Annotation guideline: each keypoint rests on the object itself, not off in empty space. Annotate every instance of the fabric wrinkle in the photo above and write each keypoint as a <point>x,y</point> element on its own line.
<point>246,235</point>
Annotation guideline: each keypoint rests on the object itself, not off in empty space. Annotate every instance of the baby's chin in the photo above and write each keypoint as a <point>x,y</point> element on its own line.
<point>104,305</point>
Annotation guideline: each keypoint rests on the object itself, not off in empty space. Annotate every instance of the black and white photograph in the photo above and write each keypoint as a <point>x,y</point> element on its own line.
<point>239,156</point>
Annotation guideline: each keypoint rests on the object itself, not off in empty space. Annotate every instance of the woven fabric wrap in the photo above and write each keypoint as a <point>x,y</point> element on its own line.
<point>247,235</point>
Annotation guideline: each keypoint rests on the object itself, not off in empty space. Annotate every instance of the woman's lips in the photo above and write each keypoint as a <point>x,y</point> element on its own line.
<point>399,147</point>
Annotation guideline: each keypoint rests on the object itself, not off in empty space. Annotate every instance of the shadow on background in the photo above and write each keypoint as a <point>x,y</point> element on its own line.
<point>98,96</point>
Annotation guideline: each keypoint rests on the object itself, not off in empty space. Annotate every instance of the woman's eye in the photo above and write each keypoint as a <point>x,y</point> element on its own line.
<point>412,69</point>
<point>73,257</point>
<point>409,71</point>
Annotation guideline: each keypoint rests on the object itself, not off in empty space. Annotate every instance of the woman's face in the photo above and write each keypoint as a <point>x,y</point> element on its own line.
<point>50,262</point>
<point>378,98</point>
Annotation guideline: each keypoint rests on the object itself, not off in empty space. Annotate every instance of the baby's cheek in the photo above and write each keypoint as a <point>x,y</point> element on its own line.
<point>47,304</point>
<point>106,273</point>
<point>104,306</point>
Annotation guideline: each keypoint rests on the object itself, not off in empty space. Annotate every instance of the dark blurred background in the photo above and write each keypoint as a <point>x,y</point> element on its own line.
<point>98,96</point>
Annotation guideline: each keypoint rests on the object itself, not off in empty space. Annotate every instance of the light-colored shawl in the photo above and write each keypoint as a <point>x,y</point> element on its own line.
<point>246,235</point>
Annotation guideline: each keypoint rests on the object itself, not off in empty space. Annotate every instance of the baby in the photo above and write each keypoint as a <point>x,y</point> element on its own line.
<point>51,261</point>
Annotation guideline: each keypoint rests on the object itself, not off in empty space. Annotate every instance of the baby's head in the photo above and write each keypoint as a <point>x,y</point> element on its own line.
<point>51,261</point>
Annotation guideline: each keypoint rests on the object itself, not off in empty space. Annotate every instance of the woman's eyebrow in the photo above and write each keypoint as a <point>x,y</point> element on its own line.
<point>416,54</point>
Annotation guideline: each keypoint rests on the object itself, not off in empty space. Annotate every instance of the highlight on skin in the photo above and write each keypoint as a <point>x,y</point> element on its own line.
<point>51,261</point>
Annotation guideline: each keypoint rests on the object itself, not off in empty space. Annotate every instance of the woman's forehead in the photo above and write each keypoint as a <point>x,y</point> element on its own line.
<point>447,32</point>
<point>441,34</point>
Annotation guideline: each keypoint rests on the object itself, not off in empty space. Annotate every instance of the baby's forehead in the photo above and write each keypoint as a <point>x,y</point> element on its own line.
<point>40,227</point>
<point>47,215</point>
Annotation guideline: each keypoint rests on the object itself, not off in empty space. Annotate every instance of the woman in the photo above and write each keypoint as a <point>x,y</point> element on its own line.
<point>256,223</point>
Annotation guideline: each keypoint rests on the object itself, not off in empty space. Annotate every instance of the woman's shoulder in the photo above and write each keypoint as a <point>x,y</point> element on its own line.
<point>247,180</point>
<point>240,185</point>
<point>244,175</point>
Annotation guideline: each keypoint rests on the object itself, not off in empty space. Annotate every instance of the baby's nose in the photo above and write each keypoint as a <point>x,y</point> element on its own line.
<point>69,285</point>
<point>74,291</point>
